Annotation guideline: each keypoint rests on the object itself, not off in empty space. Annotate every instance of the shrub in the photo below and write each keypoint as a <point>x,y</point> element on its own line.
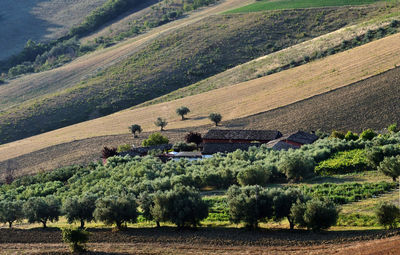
<point>108,152</point>
<point>390,166</point>
<point>375,155</point>
<point>254,175</point>
<point>80,209</point>
<point>160,122</point>
<point>182,111</point>
<point>393,128</point>
<point>182,206</point>
<point>182,146</point>
<point>11,211</point>
<point>350,136</point>
<point>296,166</point>
<point>135,128</point>
<point>215,117</point>
<point>124,148</point>
<point>388,215</point>
<point>76,238</point>
<point>38,209</point>
<point>116,210</point>
<point>337,134</point>
<point>368,134</point>
<point>194,137</point>
<point>250,204</point>
<point>155,139</point>
<point>315,214</point>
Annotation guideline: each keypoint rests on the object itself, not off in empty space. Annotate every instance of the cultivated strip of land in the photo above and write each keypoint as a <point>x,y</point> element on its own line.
<point>236,101</point>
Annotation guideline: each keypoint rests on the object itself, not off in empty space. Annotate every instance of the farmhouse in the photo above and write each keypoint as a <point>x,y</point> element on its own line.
<point>221,140</point>
<point>293,140</point>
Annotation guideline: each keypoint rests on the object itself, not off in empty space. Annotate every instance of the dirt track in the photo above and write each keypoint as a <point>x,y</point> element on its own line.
<point>206,241</point>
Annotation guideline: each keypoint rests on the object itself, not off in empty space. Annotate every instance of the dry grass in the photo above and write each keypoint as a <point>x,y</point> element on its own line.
<point>33,86</point>
<point>39,20</point>
<point>236,101</point>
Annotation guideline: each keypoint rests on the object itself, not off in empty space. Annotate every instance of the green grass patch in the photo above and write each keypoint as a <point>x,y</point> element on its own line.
<point>268,5</point>
<point>358,220</point>
<point>343,162</point>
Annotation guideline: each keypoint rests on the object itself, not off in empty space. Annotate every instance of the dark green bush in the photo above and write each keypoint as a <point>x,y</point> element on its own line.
<point>368,134</point>
<point>337,134</point>
<point>351,136</point>
<point>388,215</point>
<point>296,167</point>
<point>155,139</point>
<point>254,175</point>
<point>182,146</point>
<point>116,210</point>
<point>182,206</point>
<point>76,238</point>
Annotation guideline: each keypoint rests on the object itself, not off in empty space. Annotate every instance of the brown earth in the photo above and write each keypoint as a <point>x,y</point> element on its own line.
<point>205,241</point>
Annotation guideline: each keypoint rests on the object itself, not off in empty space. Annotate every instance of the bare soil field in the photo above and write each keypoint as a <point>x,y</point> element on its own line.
<point>205,241</point>
<point>237,101</point>
<point>39,20</point>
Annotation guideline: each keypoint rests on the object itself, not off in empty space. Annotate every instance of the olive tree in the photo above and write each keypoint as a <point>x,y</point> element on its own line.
<point>250,204</point>
<point>254,175</point>
<point>182,206</point>
<point>182,111</point>
<point>296,166</point>
<point>161,123</point>
<point>80,209</point>
<point>11,211</point>
<point>315,214</point>
<point>388,215</point>
<point>135,128</point>
<point>215,117</point>
<point>283,201</point>
<point>390,166</point>
<point>116,210</point>
<point>42,210</point>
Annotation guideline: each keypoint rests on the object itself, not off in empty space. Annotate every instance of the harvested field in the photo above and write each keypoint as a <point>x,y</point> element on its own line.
<point>238,101</point>
<point>205,241</point>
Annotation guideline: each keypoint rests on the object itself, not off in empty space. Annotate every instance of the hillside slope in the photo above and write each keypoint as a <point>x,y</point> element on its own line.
<point>39,20</point>
<point>237,101</point>
<point>181,58</point>
<point>371,103</point>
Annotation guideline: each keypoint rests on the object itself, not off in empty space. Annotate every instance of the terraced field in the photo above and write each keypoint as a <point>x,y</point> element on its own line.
<point>246,99</point>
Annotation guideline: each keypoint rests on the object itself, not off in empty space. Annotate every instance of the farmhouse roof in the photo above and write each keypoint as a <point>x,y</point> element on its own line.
<point>280,145</point>
<point>211,148</point>
<point>300,137</point>
<point>251,135</point>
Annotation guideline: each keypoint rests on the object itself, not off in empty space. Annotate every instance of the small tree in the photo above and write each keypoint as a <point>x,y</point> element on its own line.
<point>42,210</point>
<point>315,214</point>
<point>155,139</point>
<point>254,175</point>
<point>388,215</point>
<point>284,200</point>
<point>76,238</point>
<point>194,137</point>
<point>249,204</point>
<point>350,136</point>
<point>80,209</point>
<point>393,128</point>
<point>182,146</point>
<point>215,117</point>
<point>182,206</point>
<point>11,211</point>
<point>368,134</point>
<point>146,202</point>
<point>182,111</point>
<point>296,166</point>
<point>160,122</point>
<point>337,134</point>
<point>116,210</point>
<point>108,152</point>
<point>390,166</point>
<point>135,128</point>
